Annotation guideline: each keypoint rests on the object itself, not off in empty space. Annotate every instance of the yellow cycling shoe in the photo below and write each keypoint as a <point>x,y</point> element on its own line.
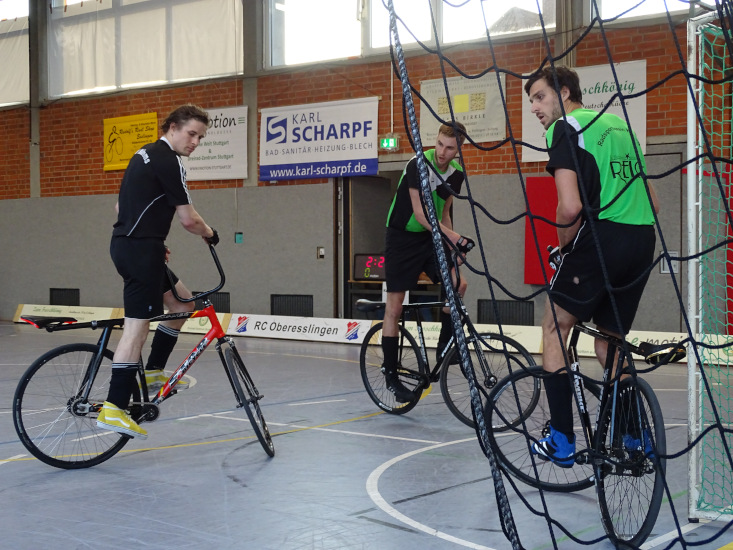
<point>156,378</point>
<point>111,417</point>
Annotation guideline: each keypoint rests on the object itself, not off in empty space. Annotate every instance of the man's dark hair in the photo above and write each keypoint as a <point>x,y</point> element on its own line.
<point>450,131</point>
<point>183,114</point>
<point>565,78</point>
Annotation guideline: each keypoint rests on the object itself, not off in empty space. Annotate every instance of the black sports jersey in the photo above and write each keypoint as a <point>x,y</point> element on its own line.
<point>153,185</point>
<point>401,215</point>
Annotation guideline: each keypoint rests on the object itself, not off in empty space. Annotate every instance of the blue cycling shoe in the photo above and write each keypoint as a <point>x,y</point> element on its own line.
<point>555,447</point>
<point>632,444</point>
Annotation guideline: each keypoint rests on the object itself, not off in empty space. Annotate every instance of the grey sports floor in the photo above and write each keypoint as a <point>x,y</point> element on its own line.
<point>345,476</point>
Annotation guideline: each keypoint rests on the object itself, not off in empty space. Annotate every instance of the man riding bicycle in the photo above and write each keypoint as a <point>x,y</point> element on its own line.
<point>598,167</point>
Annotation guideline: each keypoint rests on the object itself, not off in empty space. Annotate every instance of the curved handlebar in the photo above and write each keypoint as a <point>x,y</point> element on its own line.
<point>201,295</point>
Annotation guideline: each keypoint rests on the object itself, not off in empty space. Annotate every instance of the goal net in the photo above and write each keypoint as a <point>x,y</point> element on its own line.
<point>710,118</point>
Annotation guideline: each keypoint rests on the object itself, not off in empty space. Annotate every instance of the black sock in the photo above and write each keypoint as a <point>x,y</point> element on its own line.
<point>559,399</point>
<point>390,345</point>
<point>446,328</point>
<point>160,350</point>
<point>121,384</point>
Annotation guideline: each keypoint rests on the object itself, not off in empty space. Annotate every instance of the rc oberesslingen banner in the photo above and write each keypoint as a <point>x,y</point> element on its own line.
<point>319,140</point>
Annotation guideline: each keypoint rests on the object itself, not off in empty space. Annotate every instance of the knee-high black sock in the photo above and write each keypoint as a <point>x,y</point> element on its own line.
<point>559,399</point>
<point>390,345</point>
<point>121,384</point>
<point>446,328</point>
<point>160,350</point>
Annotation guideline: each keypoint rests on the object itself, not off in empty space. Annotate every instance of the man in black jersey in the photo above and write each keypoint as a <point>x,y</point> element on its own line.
<point>153,189</point>
<point>409,245</point>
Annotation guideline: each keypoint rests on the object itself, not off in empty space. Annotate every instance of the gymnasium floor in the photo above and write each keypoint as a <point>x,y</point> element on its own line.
<point>345,476</point>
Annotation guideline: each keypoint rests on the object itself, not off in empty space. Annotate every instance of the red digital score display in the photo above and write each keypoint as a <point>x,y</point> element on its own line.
<point>369,267</point>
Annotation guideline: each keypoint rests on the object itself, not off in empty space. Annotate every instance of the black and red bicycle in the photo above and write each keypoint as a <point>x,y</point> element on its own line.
<point>57,400</point>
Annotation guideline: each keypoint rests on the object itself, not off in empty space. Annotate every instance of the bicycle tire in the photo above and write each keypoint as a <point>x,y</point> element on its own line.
<point>249,401</point>
<point>371,359</point>
<point>630,490</point>
<point>493,368</point>
<point>512,446</point>
<point>48,421</point>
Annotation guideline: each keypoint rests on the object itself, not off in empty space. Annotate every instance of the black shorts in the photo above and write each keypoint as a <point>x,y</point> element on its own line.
<point>578,286</point>
<point>141,263</point>
<point>407,255</point>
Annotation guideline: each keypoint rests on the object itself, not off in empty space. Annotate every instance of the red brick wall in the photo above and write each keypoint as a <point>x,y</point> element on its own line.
<point>72,140</point>
<point>71,130</point>
<point>15,170</point>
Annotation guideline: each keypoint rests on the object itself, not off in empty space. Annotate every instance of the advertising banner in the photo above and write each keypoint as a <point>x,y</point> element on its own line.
<point>345,331</point>
<point>319,140</point>
<point>125,135</point>
<point>222,154</point>
<point>598,86</point>
<point>475,102</point>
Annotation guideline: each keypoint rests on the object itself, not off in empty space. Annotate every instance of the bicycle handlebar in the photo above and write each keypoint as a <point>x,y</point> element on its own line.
<point>201,295</point>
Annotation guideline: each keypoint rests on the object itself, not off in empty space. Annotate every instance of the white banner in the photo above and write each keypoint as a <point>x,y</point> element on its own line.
<point>476,103</point>
<point>345,331</point>
<point>320,140</point>
<point>598,85</point>
<point>222,154</point>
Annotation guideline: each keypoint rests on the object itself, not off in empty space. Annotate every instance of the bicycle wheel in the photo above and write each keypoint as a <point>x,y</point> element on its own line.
<point>249,401</point>
<point>53,422</point>
<point>519,393</point>
<point>410,360</point>
<point>629,478</point>
<point>491,356</point>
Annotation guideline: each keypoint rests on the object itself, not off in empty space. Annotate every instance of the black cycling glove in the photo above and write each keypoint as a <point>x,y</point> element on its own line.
<point>214,239</point>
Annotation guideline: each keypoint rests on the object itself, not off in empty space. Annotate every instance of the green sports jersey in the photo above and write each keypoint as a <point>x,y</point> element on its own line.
<point>401,215</point>
<point>609,168</point>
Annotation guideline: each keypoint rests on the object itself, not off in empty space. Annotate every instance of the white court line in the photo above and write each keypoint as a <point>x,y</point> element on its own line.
<point>12,458</point>
<point>316,402</point>
<point>671,535</point>
<point>301,427</point>
<point>373,491</point>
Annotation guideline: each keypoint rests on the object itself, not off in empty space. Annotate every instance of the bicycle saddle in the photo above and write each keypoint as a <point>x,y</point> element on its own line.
<point>661,354</point>
<point>40,321</point>
<point>368,305</point>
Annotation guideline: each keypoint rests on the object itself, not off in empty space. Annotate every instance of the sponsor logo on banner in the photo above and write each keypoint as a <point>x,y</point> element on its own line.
<point>333,139</point>
<point>352,330</point>
<point>242,321</point>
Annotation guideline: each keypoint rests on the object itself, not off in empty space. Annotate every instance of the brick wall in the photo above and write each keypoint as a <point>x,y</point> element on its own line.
<point>72,138</point>
<point>14,157</point>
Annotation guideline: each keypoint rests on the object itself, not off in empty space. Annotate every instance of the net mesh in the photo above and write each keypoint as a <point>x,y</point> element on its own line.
<point>713,113</point>
<point>716,268</point>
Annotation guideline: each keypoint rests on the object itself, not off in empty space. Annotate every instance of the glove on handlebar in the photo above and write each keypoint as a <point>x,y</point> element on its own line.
<point>214,239</point>
<point>555,257</point>
<point>465,244</point>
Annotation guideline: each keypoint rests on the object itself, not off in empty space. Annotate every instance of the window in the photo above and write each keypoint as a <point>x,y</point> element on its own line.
<point>470,21</point>
<point>102,46</point>
<point>304,31</point>
<point>14,85</point>
<point>411,14</point>
<point>638,8</point>
<point>13,9</point>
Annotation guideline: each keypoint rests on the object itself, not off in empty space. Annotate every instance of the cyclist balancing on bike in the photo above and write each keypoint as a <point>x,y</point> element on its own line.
<point>409,246</point>
<point>598,169</point>
<point>153,189</point>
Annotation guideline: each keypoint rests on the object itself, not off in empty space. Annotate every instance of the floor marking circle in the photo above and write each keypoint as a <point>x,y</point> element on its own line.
<point>372,487</point>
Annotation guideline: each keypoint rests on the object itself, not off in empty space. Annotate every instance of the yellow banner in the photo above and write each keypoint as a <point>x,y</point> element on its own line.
<point>123,137</point>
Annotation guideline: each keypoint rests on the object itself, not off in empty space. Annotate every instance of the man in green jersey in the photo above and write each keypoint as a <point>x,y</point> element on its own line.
<point>409,245</point>
<point>598,167</point>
